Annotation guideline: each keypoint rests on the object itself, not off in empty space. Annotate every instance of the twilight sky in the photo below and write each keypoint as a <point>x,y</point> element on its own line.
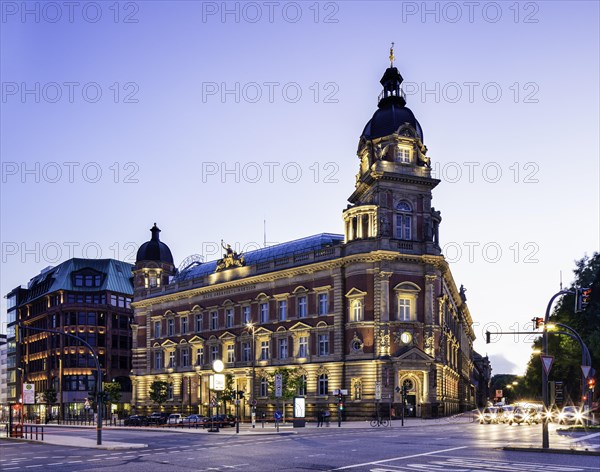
<point>211,117</point>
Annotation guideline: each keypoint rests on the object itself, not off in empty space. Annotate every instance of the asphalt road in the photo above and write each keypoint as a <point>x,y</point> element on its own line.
<point>428,446</point>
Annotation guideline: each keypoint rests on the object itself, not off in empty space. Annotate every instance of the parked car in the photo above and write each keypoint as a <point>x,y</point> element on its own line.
<point>523,415</point>
<point>157,418</point>
<point>570,415</point>
<point>489,415</point>
<point>220,420</point>
<point>194,419</point>
<point>175,418</point>
<point>136,420</point>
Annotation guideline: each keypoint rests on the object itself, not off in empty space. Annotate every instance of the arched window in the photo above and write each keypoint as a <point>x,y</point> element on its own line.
<point>323,384</point>
<point>357,310</point>
<point>404,221</point>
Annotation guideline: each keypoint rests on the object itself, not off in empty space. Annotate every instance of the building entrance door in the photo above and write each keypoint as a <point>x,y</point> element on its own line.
<point>411,405</point>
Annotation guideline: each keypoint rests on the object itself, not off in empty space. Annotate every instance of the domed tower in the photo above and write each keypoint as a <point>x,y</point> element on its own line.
<point>391,204</point>
<point>153,263</point>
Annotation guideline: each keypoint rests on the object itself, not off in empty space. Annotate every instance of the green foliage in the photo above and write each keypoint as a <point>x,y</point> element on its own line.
<point>159,391</point>
<point>566,351</point>
<point>229,394</point>
<point>291,381</point>
<point>112,391</point>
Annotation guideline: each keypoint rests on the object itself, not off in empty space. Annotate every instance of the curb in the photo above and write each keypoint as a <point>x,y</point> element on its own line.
<point>576,452</point>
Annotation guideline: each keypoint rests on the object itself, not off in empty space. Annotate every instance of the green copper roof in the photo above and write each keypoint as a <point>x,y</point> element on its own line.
<point>117,277</point>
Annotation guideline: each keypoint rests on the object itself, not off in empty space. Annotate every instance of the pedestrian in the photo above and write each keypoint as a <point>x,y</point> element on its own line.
<point>327,414</point>
<point>319,418</point>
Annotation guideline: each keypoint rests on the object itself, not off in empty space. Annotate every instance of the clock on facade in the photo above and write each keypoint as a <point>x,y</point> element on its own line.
<point>406,337</point>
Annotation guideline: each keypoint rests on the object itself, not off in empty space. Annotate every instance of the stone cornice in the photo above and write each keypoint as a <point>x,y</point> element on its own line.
<point>229,288</point>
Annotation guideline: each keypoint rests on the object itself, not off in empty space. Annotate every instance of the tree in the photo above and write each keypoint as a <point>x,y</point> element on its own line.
<point>291,382</point>
<point>566,351</point>
<point>112,393</point>
<point>159,392</point>
<point>230,393</point>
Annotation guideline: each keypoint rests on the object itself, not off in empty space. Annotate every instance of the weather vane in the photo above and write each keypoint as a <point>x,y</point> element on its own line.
<point>392,55</point>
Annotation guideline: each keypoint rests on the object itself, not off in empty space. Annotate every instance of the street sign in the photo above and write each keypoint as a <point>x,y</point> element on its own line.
<point>344,391</point>
<point>378,390</point>
<point>28,393</point>
<point>278,385</point>
<point>586,370</point>
<point>278,415</point>
<point>547,363</point>
<point>498,394</point>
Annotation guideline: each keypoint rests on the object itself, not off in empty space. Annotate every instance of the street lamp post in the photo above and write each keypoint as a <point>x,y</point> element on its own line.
<point>545,436</point>
<point>251,327</point>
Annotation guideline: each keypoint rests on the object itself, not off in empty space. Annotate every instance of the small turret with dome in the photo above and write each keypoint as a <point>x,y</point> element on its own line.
<point>392,198</point>
<point>153,263</point>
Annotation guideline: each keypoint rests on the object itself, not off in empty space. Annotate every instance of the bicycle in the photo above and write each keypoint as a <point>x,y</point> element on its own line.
<point>377,422</point>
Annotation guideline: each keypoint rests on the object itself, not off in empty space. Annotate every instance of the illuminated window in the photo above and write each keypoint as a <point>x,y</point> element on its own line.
<point>230,353</point>
<point>403,155</point>
<point>404,309</point>
<point>246,314</point>
<point>200,356</point>
<point>356,309</point>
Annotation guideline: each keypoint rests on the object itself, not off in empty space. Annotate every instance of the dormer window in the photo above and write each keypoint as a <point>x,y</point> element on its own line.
<point>87,278</point>
<point>403,155</point>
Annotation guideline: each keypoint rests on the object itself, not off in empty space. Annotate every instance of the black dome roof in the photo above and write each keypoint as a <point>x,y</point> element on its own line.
<point>392,112</point>
<point>154,250</point>
<point>387,119</point>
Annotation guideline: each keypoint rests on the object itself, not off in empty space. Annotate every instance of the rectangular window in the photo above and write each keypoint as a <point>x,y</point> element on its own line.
<point>302,307</point>
<point>171,359</point>
<point>264,312</point>
<point>403,227</point>
<point>246,314</point>
<point>198,323</point>
<point>404,309</point>
<point>283,348</point>
<point>185,357</point>
<point>229,318</point>
<point>264,387</point>
<point>171,327</point>
<point>303,346</point>
<point>323,382</point>
<point>246,350</point>
<point>158,360</point>
<point>282,310</point>
<point>214,320</point>
<point>184,325</point>
<point>214,353</point>
<point>231,353</point>
<point>301,386</point>
<point>264,350</point>
<point>200,356</point>
<point>323,344</point>
<point>323,304</point>
<point>404,155</point>
<point>157,329</point>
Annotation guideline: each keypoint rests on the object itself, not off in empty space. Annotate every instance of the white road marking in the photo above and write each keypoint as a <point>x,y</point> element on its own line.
<point>399,458</point>
<point>583,438</point>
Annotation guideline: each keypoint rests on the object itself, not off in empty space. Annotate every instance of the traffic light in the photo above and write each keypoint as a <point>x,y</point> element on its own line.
<point>240,394</point>
<point>537,322</point>
<point>591,383</point>
<point>405,390</point>
<point>341,406</point>
<point>583,296</point>
<point>487,337</point>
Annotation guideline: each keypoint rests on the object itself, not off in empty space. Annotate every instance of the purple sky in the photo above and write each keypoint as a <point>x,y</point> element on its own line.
<point>210,121</point>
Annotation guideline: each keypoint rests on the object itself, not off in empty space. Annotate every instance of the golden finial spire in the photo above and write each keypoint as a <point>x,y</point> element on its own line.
<point>392,55</point>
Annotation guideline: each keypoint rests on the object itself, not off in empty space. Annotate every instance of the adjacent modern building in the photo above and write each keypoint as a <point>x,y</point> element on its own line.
<point>482,379</point>
<point>367,312</point>
<point>3,378</point>
<point>86,298</point>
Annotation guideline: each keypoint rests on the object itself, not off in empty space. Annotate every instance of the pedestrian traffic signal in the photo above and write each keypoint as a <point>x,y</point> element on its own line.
<point>537,322</point>
<point>591,383</point>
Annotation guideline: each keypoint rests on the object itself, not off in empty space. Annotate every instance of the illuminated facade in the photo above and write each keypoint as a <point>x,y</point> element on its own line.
<point>368,311</point>
<point>84,297</point>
